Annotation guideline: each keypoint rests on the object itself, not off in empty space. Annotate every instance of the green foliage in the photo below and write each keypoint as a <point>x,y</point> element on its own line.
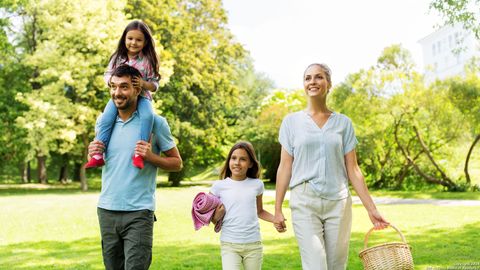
<point>376,99</point>
<point>64,47</point>
<point>459,11</point>
<point>51,90</point>
<point>202,92</point>
<point>262,130</point>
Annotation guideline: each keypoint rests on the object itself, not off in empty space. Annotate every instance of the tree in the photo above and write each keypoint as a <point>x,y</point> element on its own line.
<point>465,95</point>
<point>205,62</point>
<point>262,128</point>
<point>465,12</point>
<point>66,46</point>
<point>13,80</point>
<point>403,127</point>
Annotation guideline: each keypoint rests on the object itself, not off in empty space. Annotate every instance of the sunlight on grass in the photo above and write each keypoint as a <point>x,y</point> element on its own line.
<point>60,231</point>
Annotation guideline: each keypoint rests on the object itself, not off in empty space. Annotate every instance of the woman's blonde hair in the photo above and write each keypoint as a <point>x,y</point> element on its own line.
<point>325,68</point>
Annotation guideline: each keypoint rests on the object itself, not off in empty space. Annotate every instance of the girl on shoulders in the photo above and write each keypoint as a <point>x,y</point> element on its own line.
<point>136,48</point>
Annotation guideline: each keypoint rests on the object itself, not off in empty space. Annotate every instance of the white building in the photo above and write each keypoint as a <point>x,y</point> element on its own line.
<point>447,50</point>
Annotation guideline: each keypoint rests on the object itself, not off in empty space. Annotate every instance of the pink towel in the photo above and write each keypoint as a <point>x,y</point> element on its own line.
<point>203,208</point>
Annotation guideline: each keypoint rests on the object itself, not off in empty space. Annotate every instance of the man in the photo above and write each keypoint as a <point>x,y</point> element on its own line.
<point>127,200</point>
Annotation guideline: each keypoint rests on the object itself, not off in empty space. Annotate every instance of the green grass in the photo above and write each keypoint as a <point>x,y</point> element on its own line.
<point>428,195</point>
<point>59,230</point>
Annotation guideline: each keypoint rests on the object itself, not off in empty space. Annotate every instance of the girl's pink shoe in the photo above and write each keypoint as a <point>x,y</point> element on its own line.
<point>138,161</point>
<point>95,161</point>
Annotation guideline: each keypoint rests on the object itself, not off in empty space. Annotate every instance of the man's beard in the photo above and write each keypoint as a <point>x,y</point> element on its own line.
<point>126,102</point>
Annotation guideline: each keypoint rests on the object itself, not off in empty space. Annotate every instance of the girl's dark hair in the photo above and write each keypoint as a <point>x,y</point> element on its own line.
<point>148,50</point>
<point>126,70</point>
<point>253,172</point>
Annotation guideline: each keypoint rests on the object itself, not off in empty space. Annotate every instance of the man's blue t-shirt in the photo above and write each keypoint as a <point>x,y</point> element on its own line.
<point>125,187</point>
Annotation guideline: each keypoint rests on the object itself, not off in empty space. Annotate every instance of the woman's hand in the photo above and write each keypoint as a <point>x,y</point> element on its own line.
<point>279,222</point>
<point>378,221</point>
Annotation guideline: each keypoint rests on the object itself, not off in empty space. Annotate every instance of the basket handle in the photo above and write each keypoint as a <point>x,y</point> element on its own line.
<point>371,230</point>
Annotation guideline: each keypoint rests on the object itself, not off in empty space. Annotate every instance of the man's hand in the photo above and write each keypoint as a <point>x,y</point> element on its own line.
<point>143,149</point>
<point>96,148</point>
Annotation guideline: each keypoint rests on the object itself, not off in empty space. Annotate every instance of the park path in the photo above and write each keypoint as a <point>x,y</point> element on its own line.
<point>386,200</point>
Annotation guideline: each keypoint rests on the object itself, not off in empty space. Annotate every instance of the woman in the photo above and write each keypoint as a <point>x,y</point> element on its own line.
<point>317,159</point>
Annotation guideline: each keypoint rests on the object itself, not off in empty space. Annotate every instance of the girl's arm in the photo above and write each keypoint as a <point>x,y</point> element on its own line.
<point>149,86</point>
<point>139,82</point>
<point>218,214</point>
<point>284,173</point>
<point>358,182</point>
<point>262,213</point>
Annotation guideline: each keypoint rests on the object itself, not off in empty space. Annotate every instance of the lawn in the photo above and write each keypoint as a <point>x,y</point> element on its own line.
<point>59,230</point>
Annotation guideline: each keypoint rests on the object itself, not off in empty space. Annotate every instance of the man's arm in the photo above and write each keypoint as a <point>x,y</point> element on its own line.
<point>171,160</point>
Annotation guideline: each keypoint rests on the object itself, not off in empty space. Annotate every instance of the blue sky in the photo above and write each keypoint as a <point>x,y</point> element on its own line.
<point>284,36</point>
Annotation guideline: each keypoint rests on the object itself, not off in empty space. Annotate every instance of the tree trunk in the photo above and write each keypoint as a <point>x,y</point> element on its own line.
<point>24,172</point>
<point>176,177</point>
<point>446,182</point>
<point>42,169</point>
<point>63,176</point>
<point>430,156</point>
<point>29,172</point>
<point>400,177</point>
<point>76,172</point>
<point>83,179</point>
<point>467,160</point>
<point>83,175</point>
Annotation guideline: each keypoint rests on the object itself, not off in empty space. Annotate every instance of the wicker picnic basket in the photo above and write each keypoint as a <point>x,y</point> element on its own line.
<point>389,256</point>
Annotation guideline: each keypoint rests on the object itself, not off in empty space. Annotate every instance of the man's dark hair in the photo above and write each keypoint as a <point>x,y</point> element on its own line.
<point>126,70</point>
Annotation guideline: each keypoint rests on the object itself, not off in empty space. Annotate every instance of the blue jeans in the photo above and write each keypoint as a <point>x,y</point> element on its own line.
<point>109,116</point>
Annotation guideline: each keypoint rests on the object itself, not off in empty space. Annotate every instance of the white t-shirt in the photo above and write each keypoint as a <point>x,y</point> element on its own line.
<point>240,224</point>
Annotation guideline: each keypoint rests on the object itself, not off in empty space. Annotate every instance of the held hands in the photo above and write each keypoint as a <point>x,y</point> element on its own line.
<point>279,222</point>
<point>218,214</point>
<point>378,221</point>
<point>96,148</point>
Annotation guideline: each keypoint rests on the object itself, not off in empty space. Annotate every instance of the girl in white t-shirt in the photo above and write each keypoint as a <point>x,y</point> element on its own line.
<point>241,194</point>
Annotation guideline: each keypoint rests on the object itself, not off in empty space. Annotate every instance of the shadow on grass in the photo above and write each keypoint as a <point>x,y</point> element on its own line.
<point>41,189</point>
<point>278,254</point>
<point>74,188</point>
<point>434,247</point>
<point>80,254</point>
<point>86,254</point>
<point>444,195</point>
<point>185,184</point>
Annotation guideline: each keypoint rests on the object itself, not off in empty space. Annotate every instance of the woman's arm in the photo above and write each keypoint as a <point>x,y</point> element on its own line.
<point>284,173</point>
<point>358,182</point>
<point>262,213</point>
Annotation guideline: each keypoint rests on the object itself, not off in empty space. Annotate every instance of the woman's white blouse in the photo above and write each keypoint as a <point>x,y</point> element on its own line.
<point>319,153</point>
